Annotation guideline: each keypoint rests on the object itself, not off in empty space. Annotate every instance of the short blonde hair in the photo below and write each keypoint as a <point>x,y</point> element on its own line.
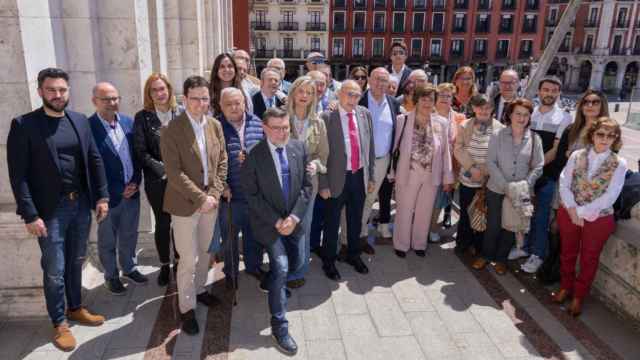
<point>446,87</point>
<point>148,100</point>
<point>310,111</point>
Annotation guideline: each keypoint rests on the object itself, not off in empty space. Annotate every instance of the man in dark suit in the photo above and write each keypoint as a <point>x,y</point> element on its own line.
<point>350,174</point>
<point>113,134</point>
<point>57,176</point>
<point>266,98</point>
<point>508,85</point>
<point>398,69</point>
<point>278,189</point>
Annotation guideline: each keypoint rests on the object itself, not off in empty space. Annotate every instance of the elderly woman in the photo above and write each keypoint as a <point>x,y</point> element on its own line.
<point>160,108</point>
<point>465,81</point>
<point>589,185</point>
<point>416,79</point>
<point>443,108</point>
<point>308,127</point>
<point>470,151</point>
<point>424,164</point>
<point>360,75</point>
<point>515,155</point>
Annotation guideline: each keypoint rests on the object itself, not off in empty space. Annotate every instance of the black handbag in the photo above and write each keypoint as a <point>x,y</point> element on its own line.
<point>395,156</point>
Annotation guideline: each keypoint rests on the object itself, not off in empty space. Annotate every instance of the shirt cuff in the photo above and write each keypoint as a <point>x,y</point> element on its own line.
<point>297,219</point>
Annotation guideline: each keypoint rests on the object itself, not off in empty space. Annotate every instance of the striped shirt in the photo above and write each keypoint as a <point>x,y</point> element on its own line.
<point>478,149</point>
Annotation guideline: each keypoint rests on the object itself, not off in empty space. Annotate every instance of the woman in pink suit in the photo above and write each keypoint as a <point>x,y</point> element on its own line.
<point>424,163</point>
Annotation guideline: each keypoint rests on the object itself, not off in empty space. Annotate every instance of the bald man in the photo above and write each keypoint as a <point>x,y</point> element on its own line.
<point>508,85</point>
<point>118,232</point>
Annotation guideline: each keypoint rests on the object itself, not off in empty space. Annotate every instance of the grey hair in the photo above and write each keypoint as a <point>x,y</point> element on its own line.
<point>228,91</point>
<point>269,69</point>
<point>417,72</point>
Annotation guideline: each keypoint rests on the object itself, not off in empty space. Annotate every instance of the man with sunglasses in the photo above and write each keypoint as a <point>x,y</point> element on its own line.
<point>398,69</point>
<point>549,121</point>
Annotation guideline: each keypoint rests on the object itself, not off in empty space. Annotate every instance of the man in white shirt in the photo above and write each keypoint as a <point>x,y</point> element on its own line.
<point>398,69</point>
<point>266,98</point>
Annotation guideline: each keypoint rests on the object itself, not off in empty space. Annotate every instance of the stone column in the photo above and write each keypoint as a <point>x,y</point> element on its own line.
<point>597,72</point>
<point>157,33</point>
<point>604,30</point>
<point>27,46</point>
<point>173,43</point>
<point>620,76</point>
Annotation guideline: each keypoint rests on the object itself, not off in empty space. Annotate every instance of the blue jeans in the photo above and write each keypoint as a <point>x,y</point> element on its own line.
<point>119,231</point>
<point>538,239</point>
<point>63,253</point>
<point>252,250</point>
<point>282,257</point>
<point>304,250</point>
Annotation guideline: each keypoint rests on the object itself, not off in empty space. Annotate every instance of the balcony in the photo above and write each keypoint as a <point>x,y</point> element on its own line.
<point>359,29</point>
<point>483,28</point>
<point>339,28</point>
<point>399,5</point>
<point>591,23</point>
<point>398,29</point>
<point>456,54</point>
<point>586,51</point>
<point>508,5</point>
<point>419,4</point>
<point>532,5</point>
<point>379,4</point>
<point>506,29</point>
<point>564,48</point>
<point>316,26</point>
<point>263,53</point>
<point>307,52</point>
<point>378,29</point>
<point>529,28</point>
<point>378,58</point>
<point>622,24</point>
<point>618,51</point>
<point>439,5</point>
<point>438,29</point>
<point>360,5</point>
<point>480,55</point>
<point>418,29</point>
<point>635,51</point>
<point>525,54</point>
<point>461,5</point>
<point>358,57</point>
<point>261,25</point>
<point>289,53</point>
<point>501,54</point>
<point>287,26</point>
<point>551,22</point>
<point>484,5</point>
<point>339,4</point>
<point>459,29</point>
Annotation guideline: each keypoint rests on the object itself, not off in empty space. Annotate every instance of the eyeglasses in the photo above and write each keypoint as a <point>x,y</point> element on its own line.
<point>398,53</point>
<point>110,99</point>
<point>595,102</point>
<point>359,77</point>
<point>354,94</point>
<point>284,129</point>
<point>602,135</point>
<point>199,99</point>
<point>444,97</point>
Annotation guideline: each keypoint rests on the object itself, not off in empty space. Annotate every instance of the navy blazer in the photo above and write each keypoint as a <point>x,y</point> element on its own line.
<point>34,168</point>
<point>394,107</point>
<point>112,164</point>
<point>259,107</point>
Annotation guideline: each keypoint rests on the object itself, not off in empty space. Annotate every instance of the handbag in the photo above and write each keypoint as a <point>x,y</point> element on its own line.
<point>395,156</point>
<point>477,211</point>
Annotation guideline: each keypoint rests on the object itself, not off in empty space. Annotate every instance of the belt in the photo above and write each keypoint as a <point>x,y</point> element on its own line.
<point>73,195</point>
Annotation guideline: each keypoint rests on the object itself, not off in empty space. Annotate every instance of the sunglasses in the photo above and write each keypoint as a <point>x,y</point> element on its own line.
<point>595,102</point>
<point>603,135</point>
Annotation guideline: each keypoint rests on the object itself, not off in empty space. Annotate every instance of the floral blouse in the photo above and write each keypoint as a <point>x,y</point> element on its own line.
<point>422,147</point>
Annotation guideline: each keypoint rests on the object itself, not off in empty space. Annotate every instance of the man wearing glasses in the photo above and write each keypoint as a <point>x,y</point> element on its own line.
<point>398,70</point>
<point>118,232</point>
<point>195,160</point>
<point>507,92</point>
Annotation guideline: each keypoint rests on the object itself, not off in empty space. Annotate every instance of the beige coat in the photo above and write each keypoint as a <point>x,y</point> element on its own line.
<point>463,138</point>
<point>185,191</point>
<point>316,141</point>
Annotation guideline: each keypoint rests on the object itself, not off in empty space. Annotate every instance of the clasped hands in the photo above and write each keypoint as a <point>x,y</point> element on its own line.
<point>286,226</point>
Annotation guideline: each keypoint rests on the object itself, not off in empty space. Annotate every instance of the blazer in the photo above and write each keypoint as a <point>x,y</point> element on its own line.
<point>394,107</point>
<point>34,169</point>
<point>264,193</point>
<point>441,165</point>
<point>463,138</point>
<point>259,107</point>
<point>315,140</point>
<point>185,191</point>
<point>112,163</point>
<point>337,160</point>
<point>146,144</point>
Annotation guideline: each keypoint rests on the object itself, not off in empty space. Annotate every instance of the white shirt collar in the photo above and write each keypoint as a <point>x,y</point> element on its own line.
<point>404,66</point>
<point>373,100</point>
<point>202,123</point>
<point>343,112</point>
<point>273,147</point>
<point>105,122</point>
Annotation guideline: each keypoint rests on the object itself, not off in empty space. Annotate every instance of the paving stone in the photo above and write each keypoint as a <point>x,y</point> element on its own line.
<point>356,325</point>
<point>348,298</point>
<point>432,335</point>
<point>453,312</point>
<point>17,338</point>
<point>192,345</point>
<point>136,332</point>
<point>325,350</point>
<point>410,296</point>
<point>387,315</point>
<point>125,354</point>
<point>383,348</point>
<point>44,355</point>
<point>319,320</point>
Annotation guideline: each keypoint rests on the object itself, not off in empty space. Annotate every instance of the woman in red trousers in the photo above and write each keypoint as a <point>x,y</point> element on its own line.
<point>589,185</point>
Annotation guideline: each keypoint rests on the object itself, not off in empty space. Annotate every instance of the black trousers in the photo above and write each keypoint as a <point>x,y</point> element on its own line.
<point>352,196</point>
<point>155,194</point>
<point>466,235</point>
<point>497,241</point>
<point>384,197</point>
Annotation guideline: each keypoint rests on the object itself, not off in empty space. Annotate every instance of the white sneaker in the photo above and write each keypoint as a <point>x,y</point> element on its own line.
<point>517,253</point>
<point>383,230</point>
<point>532,265</point>
<point>434,237</point>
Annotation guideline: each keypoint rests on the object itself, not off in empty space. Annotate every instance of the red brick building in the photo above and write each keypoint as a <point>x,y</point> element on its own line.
<point>441,35</point>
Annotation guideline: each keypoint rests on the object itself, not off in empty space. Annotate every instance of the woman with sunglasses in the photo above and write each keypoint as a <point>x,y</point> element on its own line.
<point>589,185</point>
<point>360,75</point>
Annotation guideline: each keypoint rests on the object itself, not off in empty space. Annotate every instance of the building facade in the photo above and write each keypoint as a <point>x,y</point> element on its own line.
<point>602,49</point>
<point>290,30</point>
<point>122,42</point>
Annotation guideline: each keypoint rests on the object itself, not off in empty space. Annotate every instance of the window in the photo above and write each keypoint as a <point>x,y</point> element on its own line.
<point>338,47</point>
<point>418,22</point>
<point>636,45</point>
<point>553,16</point>
<point>459,23</point>
<point>526,48</point>
<point>261,43</point>
<point>566,43</point>
<point>506,24</point>
<point>438,23</point>
<point>502,50</point>
<point>530,23</point>
<point>315,17</point>
<point>457,47</point>
<point>480,47</point>
<point>380,4</point>
<point>315,43</point>
<point>416,47</point>
<point>508,4</point>
<point>617,45</point>
<point>400,4</point>
<point>287,43</point>
<point>484,4</point>
<point>359,21</point>
<point>287,16</point>
<point>378,22</point>
<point>378,47</point>
<point>261,16</point>
<point>358,47</point>
<point>593,16</point>
<point>460,4</point>
<point>360,4</point>
<point>398,22</point>
<point>532,5</point>
<point>483,23</point>
<point>588,44</point>
<point>338,21</point>
<point>439,4</point>
<point>420,4</point>
<point>436,47</point>
<point>622,17</point>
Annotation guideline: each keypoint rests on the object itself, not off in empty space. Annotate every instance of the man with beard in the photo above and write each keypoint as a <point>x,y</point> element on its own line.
<point>549,121</point>
<point>57,176</point>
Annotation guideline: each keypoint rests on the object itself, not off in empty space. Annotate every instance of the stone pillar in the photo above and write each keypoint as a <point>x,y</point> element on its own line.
<point>157,33</point>
<point>620,76</point>
<point>301,69</point>
<point>597,72</point>
<point>604,30</point>
<point>173,43</point>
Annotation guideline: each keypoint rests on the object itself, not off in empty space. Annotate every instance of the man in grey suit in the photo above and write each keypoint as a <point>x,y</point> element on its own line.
<point>278,190</point>
<point>350,172</point>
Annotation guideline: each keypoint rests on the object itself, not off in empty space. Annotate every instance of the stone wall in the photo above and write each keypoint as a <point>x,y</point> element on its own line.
<point>122,42</point>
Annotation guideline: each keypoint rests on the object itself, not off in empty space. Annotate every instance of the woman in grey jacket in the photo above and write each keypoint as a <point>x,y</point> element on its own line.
<point>515,154</point>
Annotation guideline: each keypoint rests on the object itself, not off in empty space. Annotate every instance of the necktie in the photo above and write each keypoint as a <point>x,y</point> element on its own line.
<point>269,102</point>
<point>284,173</point>
<point>353,140</point>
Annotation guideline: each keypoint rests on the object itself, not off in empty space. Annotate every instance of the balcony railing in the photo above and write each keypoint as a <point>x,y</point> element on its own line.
<point>508,5</point>
<point>483,28</point>
<point>525,54</point>
<point>618,51</point>
<point>591,23</point>
<point>506,29</point>
<point>263,53</point>
<point>622,24</point>
<point>316,26</point>
<point>398,29</point>
<point>456,54</point>
<point>289,53</point>
<point>531,5</point>
<point>359,29</point>
<point>529,28</point>
<point>459,29</point>
<point>357,56</point>
<point>635,51</point>
<point>287,26</point>
<point>484,5</point>
<point>564,48</point>
<point>261,25</point>
<point>502,54</point>
<point>359,5</point>
<point>378,29</point>
<point>418,28</point>
<point>480,55</point>
<point>585,51</point>
<point>419,5</point>
<point>438,29</point>
<point>307,52</point>
<point>550,22</point>
<point>461,5</point>
<point>339,28</point>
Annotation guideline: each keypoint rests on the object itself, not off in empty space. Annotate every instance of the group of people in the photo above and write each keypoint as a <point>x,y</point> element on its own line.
<point>296,169</point>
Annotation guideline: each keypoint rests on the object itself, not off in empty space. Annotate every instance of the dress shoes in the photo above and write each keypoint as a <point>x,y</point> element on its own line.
<point>163,277</point>
<point>421,253</point>
<point>343,253</point>
<point>358,265</point>
<point>63,338</point>
<point>479,264</point>
<point>401,254</point>
<point>189,323</point>
<point>331,271</point>
<point>286,344</point>
<point>84,317</point>
<point>500,268</point>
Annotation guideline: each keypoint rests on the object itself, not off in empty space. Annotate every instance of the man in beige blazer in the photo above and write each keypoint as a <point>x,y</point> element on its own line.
<point>195,160</point>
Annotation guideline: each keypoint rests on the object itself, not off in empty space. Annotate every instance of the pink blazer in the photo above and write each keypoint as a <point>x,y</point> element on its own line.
<point>441,165</point>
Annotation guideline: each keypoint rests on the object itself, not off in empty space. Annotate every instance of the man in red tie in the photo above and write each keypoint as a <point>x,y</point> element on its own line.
<point>350,172</point>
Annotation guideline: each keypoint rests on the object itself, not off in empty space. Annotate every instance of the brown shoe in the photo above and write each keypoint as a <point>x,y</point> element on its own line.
<point>575,309</point>
<point>560,296</point>
<point>500,268</point>
<point>479,264</point>
<point>84,317</point>
<point>63,338</point>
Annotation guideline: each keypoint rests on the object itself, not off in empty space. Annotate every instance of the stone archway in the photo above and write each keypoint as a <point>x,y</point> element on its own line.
<point>631,74</point>
<point>610,76</point>
<point>585,75</point>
